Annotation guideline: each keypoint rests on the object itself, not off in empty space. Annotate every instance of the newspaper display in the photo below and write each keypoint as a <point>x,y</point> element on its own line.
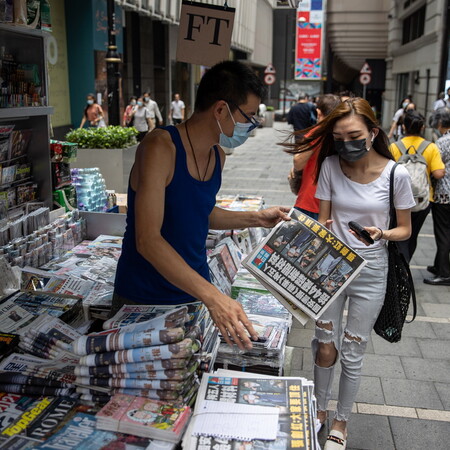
<point>304,262</point>
<point>13,317</point>
<point>293,397</point>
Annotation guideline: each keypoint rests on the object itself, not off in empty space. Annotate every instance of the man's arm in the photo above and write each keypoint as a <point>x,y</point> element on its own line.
<point>153,171</point>
<point>222,219</point>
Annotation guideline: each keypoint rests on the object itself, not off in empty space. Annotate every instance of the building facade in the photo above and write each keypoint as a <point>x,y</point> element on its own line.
<point>147,33</point>
<point>417,61</point>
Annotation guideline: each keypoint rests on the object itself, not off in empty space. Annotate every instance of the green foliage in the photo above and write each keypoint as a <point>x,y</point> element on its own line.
<point>270,108</point>
<point>108,137</point>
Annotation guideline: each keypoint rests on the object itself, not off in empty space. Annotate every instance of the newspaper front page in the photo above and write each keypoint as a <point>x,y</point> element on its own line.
<point>304,262</point>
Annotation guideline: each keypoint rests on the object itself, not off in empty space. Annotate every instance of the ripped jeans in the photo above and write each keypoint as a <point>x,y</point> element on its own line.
<point>366,295</point>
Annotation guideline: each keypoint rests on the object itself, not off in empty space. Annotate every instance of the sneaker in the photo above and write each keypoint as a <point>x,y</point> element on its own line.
<point>335,441</point>
<point>438,281</point>
<point>432,270</point>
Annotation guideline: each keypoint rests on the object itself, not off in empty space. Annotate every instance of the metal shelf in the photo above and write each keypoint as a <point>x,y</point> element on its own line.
<point>23,112</point>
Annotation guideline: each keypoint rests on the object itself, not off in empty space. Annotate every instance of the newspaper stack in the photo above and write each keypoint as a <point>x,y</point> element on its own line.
<point>153,359</point>
<point>267,355</point>
<point>224,262</point>
<point>35,303</point>
<point>30,374</point>
<point>263,399</point>
<point>88,270</point>
<point>80,432</point>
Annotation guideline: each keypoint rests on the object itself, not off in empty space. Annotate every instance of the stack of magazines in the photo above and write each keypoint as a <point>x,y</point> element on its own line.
<point>144,417</point>
<point>153,359</point>
<point>283,410</point>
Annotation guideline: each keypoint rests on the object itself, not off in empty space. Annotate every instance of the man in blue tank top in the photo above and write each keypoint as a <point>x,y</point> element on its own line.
<point>171,203</point>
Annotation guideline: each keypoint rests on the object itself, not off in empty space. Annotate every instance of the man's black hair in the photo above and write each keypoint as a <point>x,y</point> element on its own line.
<point>231,81</point>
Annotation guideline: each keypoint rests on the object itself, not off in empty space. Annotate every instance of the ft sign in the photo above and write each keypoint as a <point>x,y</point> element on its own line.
<point>204,35</point>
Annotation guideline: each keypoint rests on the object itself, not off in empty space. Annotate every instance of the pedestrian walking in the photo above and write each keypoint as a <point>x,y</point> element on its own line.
<point>93,113</point>
<point>153,108</point>
<point>177,108</point>
<point>171,203</point>
<point>420,169</point>
<point>440,102</point>
<point>127,120</point>
<point>142,120</point>
<point>354,166</point>
<point>302,115</point>
<point>396,128</point>
<point>440,207</point>
<point>306,162</point>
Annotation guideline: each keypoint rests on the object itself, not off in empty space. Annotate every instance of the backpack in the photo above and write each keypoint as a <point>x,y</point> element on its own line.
<point>416,166</point>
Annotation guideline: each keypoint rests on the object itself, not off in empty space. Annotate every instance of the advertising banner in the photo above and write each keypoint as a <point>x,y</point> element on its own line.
<point>308,51</point>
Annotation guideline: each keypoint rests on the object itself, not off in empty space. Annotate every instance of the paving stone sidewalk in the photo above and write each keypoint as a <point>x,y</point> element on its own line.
<point>404,399</point>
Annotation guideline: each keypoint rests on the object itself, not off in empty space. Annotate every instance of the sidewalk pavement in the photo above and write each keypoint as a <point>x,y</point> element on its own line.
<point>404,399</point>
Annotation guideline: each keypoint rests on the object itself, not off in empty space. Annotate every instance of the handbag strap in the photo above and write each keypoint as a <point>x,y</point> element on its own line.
<point>393,224</point>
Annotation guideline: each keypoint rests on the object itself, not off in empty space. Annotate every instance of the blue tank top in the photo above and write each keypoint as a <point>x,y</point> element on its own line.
<point>188,204</point>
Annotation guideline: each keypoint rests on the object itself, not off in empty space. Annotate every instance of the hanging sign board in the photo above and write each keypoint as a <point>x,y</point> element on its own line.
<point>204,34</point>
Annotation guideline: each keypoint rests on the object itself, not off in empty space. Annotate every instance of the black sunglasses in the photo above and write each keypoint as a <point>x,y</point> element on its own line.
<point>252,120</point>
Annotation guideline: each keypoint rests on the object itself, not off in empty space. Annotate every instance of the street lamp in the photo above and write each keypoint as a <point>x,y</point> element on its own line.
<point>112,67</point>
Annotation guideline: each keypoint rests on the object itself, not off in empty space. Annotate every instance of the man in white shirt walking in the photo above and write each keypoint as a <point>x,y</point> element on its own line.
<point>177,108</point>
<point>153,109</point>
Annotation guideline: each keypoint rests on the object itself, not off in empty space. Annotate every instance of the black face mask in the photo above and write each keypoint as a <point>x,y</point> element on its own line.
<point>351,150</point>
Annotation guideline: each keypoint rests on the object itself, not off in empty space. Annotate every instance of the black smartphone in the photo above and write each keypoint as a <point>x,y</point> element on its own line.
<point>360,231</point>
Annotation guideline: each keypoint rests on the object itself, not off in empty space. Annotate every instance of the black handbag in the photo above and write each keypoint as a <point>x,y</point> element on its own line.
<point>400,285</point>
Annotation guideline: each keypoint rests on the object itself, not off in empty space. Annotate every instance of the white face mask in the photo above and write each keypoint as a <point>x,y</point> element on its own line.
<point>133,102</point>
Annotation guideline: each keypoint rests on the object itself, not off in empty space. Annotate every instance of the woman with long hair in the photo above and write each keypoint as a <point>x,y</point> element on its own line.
<point>413,127</point>
<point>353,167</point>
<point>93,113</point>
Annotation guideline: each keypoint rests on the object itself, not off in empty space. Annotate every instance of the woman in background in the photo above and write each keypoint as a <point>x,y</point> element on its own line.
<point>127,120</point>
<point>93,113</point>
<point>142,120</point>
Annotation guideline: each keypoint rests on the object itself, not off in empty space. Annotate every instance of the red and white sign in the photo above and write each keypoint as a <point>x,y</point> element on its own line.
<point>366,69</point>
<point>269,78</point>
<point>365,78</point>
<point>270,69</point>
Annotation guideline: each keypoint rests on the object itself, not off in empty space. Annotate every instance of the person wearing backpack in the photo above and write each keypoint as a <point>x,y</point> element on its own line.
<point>422,159</point>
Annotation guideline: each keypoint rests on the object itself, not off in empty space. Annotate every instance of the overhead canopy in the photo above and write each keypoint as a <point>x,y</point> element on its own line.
<point>356,31</point>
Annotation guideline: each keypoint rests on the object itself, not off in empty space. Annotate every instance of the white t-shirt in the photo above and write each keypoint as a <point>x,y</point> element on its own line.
<point>398,114</point>
<point>177,107</point>
<point>367,204</point>
<point>140,118</point>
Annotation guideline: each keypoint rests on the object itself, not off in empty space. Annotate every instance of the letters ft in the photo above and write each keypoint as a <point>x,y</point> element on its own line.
<point>217,20</point>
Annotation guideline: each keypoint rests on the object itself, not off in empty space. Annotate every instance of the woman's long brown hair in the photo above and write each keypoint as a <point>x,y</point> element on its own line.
<point>319,137</point>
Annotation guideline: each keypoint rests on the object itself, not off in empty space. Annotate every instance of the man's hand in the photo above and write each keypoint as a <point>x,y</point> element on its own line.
<point>269,217</point>
<point>232,321</point>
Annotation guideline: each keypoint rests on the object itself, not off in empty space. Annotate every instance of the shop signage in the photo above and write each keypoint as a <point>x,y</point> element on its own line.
<point>308,51</point>
<point>204,35</point>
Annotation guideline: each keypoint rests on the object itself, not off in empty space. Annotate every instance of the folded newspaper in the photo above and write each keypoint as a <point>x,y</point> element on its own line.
<point>304,264</point>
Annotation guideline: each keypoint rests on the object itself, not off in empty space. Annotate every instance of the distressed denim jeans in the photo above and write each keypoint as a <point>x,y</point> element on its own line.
<point>365,296</point>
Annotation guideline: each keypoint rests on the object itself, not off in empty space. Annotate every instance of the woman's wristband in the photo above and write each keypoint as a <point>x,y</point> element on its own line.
<point>381,235</point>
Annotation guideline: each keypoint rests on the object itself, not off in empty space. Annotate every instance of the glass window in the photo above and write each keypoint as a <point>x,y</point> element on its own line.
<point>414,25</point>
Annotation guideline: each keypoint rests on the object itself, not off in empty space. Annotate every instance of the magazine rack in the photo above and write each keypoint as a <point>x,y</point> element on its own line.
<point>28,47</point>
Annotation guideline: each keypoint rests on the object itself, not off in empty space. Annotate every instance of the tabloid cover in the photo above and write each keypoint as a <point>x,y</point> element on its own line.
<point>304,262</point>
